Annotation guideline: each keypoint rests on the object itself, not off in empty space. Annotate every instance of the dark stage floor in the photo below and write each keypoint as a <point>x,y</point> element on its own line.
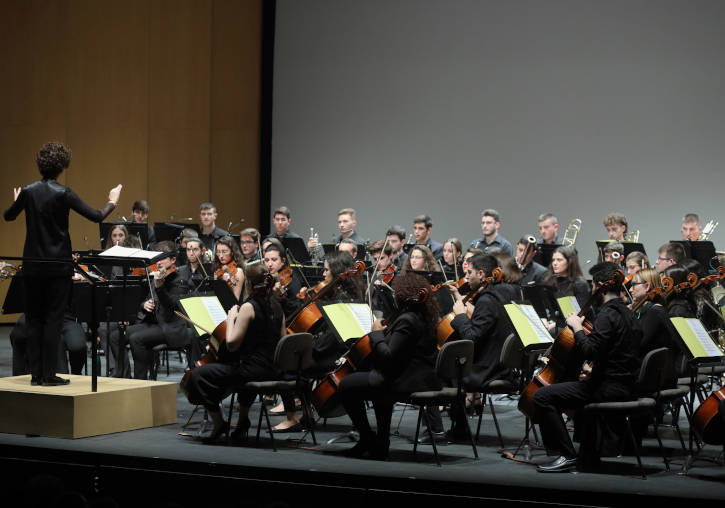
<point>181,468</point>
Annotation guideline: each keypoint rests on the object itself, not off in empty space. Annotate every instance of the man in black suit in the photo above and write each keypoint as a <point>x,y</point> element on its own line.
<point>47,205</point>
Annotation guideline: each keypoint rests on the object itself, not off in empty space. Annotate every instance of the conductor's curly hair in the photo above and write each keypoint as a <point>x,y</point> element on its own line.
<point>52,159</point>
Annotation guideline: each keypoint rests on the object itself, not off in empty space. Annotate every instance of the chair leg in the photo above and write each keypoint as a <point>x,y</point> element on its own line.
<point>269,426</point>
<point>495,421</point>
<point>636,448</point>
<point>259,420</point>
<point>417,430</point>
<point>166,358</point>
<point>307,412</point>
<point>468,429</point>
<point>659,441</point>
<point>480,417</point>
<point>432,437</point>
<point>229,418</point>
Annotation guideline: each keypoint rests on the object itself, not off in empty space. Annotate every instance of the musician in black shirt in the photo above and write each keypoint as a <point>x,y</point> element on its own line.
<point>47,205</point>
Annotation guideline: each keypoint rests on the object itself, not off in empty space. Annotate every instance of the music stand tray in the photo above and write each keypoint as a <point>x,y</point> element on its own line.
<point>298,249</point>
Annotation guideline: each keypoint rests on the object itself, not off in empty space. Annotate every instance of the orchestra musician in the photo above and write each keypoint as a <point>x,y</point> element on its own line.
<point>490,224</point>
<point>636,261</point>
<point>691,227</point>
<point>669,254</point>
<point>140,214</point>
<point>184,236</point>
<point>349,246</point>
<point>281,220</point>
<point>532,272</point>
<point>422,228</point>
<point>395,236</point>
<point>288,284</point>
<point>616,226</point>
<point>382,297</point>
<point>249,242</point>
<point>565,275</point>
<point>193,272</point>
<point>487,327</point>
<point>116,236</point>
<point>253,330</point>
<point>452,258</point>
<point>612,346</point>
<point>470,252</point>
<point>47,205</point>
<point>420,258</point>
<point>210,232</point>
<point>228,264</point>
<point>403,361</point>
<point>548,229</point>
<point>613,252</point>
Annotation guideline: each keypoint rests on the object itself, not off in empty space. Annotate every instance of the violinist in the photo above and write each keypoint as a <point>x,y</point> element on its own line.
<point>288,284</point>
<point>249,242</point>
<point>612,346</point>
<point>636,261</point>
<point>669,254</point>
<point>193,272</point>
<point>532,272</point>
<point>210,233</point>
<point>395,236</point>
<point>347,245</point>
<point>470,252</point>
<point>253,330</point>
<point>452,258</point>
<point>565,275</point>
<point>185,235</point>
<point>700,298</point>
<point>384,269</point>
<point>422,228</point>
<point>490,224</point>
<point>47,205</point>
<point>140,214</point>
<point>158,324</point>
<point>487,327</point>
<point>228,264</point>
<point>403,361</point>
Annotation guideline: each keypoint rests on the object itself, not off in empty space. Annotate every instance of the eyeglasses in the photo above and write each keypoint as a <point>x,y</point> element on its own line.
<point>247,242</point>
<point>660,258</point>
<point>638,283</point>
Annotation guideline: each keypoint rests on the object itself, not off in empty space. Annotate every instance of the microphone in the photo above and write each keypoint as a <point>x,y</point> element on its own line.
<point>124,218</point>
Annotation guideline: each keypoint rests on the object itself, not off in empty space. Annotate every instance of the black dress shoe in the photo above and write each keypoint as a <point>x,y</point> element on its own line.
<point>241,431</point>
<point>440,438</point>
<point>297,427</point>
<point>361,449</point>
<point>216,434</point>
<point>54,381</point>
<point>560,465</point>
<point>35,381</point>
<point>456,435</point>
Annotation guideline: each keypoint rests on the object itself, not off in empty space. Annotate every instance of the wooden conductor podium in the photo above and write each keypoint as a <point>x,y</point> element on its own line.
<point>75,411</point>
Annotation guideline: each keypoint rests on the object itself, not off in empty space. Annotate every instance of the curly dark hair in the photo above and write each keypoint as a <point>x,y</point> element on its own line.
<point>236,252</point>
<point>407,288</point>
<point>52,159</point>
<point>351,287</point>
<point>255,280</point>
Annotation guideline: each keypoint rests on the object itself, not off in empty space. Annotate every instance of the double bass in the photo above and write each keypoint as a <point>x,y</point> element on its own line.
<point>560,352</point>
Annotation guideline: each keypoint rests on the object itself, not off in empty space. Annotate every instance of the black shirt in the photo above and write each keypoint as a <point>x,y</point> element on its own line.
<point>47,205</point>
<point>210,240</point>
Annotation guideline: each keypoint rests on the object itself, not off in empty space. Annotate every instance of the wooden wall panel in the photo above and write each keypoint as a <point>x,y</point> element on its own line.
<point>160,95</point>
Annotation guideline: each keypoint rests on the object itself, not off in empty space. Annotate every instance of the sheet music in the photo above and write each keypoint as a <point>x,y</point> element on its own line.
<point>541,332</point>
<point>362,313</point>
<point>127,252</point>
<point>575,304</point>
<point>215,309</point>
<point>704,338</point>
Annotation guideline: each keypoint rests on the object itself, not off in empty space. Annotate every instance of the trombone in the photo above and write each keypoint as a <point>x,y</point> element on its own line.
<point>707,230</point>
<point>572,231</point>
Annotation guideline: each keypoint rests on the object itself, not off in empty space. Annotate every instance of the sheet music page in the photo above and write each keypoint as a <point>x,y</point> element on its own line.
<point>362,313</point>
<point>215,309</point>
<point>575,304</point>
<point>704,338</point>
<point>127,252</point>
<point>541,332</point>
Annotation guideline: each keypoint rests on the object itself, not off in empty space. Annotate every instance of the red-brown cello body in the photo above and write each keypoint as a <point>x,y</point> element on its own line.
<point>216,339</point>
<point>707,421</point>
<point>325,397</point>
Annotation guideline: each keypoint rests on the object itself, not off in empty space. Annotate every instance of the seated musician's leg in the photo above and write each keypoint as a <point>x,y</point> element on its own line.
<point>142,341</point>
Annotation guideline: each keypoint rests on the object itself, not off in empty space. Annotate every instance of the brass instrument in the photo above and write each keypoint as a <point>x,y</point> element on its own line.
<point>530,246</point>
<point>632,237</point>
<point>572,231</point>
<point>707,230</point>
<point>317,253</point>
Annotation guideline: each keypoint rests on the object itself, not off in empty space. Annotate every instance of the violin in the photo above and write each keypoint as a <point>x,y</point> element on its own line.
<point>150,269</point>
<point>667,284</point>
<point>559,354</point>
<point>312,292</point>
<point>285,275</point>
<point>387,275</point>
<point>461,284</point>
<point>444,330</point>
<point>228,273</point>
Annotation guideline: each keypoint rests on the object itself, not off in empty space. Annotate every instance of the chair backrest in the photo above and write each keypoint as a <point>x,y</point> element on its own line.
<point>293,351</point>
<point>454,360</point>
<point>512,353</point>
<point>652,373</point>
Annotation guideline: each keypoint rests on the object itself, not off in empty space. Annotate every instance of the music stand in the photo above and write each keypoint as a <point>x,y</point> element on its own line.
<point>543,299</point>
<point>630,247</point>
<point>701,251</point>
<point>171,230</point>
<point>224,293</point>
<point>544,252</point>
<point>331,248</point>
<point>138,229</point>
<point>298,249</point>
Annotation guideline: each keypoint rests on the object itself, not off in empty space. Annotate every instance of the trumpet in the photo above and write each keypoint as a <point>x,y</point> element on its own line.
<point>632,237</point>
<point>572,231</point>
<point>707,230</point>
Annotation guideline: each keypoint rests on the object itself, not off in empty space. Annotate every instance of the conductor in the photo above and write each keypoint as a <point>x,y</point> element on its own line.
<point>47,205</point>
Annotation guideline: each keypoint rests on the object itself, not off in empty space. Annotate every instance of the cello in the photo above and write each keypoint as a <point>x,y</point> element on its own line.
<point>707,421</point>
<point>444,330</point>
<point>559,354</point>
<point>213,354</point>
<point>309,317</point>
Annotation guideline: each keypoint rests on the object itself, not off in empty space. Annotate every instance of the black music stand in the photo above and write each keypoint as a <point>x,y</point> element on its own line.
<point>138,229</point>
<point>298,249</point>
<point>543,299</point>
<point>701,251</point>
<point>544,253</point>
<point>224,293</point>
<point>171,230</point>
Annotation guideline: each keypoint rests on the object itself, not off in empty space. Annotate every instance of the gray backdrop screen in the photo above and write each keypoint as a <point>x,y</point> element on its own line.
<point>579,108</point>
